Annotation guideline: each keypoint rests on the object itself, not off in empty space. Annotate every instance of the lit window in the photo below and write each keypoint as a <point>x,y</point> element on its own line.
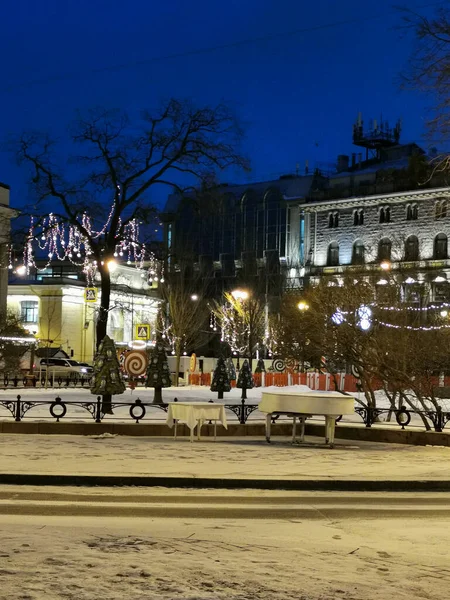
<point>29,311</point>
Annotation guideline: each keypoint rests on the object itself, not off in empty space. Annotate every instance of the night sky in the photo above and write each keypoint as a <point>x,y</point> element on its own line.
<point>298,95</point>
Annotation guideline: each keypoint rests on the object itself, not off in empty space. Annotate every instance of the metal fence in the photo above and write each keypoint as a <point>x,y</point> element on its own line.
<point>138,411</point>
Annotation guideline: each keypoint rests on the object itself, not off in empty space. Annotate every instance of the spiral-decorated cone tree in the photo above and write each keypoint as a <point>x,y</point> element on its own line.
<point>107,379</point>
<point>245,379</point>
<point>158,373</point>
<point>220,382</point>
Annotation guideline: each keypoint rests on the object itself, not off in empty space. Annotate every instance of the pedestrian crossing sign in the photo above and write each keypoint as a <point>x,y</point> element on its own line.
<point>91,294</point>
<point>142,332</point>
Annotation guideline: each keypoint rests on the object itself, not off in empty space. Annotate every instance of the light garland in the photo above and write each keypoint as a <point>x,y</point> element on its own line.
<point>72,242</point>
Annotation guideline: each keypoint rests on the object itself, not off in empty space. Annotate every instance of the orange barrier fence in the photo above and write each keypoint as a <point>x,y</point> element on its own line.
<point>316,381</point>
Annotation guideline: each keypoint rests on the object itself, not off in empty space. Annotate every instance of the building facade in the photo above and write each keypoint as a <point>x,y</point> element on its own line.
<point>6,214</point>
<point>52,305</point>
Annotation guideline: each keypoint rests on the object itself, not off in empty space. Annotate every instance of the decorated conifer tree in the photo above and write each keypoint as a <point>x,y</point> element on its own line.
<point>260,367</point>
<point>107,378</point>
<point>220,382</point>
<point>245,379</point>
<point>158,373</point>
<point>230,369</point>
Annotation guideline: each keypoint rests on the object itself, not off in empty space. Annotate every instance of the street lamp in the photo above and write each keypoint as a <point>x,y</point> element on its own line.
<point>302,305</point>
<point>385,265</point>
<point>194,297</point>
<point>240,294</point>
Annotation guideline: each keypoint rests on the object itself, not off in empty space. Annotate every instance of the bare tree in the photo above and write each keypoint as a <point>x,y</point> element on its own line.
<point>428,71</point>
<point>120,162</point>
<point>184,311</point>
<point>241,319</point>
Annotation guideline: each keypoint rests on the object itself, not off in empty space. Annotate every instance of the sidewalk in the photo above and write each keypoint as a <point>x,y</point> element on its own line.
<point>248,462</point>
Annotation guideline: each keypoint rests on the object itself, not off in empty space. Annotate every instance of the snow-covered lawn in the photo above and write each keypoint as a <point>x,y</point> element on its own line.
<point>228,457</point>
<point>84,558</point>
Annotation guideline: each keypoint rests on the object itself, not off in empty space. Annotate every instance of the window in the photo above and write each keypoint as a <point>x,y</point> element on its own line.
<point>358,217</point>
<point>358,253</point>
<point>440,209</point>
<point>412,248</point>
<point>333,255</point>
<point>440,246</point>
<point>29,311</point>
<point>412,212</point>
<point>333,220</point>
<point>385,214</point>
<point>384,249</point>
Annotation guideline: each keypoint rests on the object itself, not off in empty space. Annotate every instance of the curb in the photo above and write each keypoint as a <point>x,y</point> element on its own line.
<point>316,485</point>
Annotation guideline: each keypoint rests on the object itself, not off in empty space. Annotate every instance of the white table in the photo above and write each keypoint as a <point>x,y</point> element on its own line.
<point>331,405</point>
<point>195,414</point>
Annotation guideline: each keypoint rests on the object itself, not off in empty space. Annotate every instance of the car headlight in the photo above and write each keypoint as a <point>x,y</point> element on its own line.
<point>83,370</point>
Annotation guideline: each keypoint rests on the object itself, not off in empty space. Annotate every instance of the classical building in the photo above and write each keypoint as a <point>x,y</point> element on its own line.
<point>53,305</point>
<point>6,214</point>
<point>380,204</point>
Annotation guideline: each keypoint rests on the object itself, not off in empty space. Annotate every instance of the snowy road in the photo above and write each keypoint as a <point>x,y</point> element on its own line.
<point>110,558</point>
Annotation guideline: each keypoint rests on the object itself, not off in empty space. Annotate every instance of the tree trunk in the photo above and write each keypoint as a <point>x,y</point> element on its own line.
<point>102,322</point>
<point>106,404</point>
<point>105,288</point>
<point>244,393</point>
<point>250,350</point>
<point>157,398</point>
<point>220,395</point>
<point>177,361</point>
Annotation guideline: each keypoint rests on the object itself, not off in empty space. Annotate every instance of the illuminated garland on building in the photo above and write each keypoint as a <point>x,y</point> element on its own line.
<point>61,241</point>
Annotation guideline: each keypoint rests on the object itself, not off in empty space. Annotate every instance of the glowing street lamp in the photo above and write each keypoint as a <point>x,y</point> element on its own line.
<point>385,265</point>
<point>194,297</point>
<point>22,270</point>
<point>302,305</point>
<point>240,294</point>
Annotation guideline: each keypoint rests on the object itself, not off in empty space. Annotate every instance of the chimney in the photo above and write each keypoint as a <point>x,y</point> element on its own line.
<point>342,163</point>
<point>359,159</point>
<point>353,160</point>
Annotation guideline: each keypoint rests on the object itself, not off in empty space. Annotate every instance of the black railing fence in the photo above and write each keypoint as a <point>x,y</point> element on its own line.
<point>138,411</point>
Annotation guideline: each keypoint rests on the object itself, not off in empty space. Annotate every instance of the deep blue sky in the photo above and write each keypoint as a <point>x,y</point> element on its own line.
<point>298,95</point>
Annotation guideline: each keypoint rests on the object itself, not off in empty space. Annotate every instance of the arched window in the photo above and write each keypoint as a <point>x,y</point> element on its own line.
<point>358,217</point>
<point>440,246</point>
<point>440,209</point>
<point>248,221</point>
<point>384,249</point>
<point>412,248</point>
<point>358,253</point>
<point>385,214</point>
<point>412,212</point>
<point>333,255</point>
<point>333,219</point>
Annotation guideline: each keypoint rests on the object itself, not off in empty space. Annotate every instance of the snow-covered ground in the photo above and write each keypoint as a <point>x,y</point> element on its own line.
<point>183,394</point>
<point>55,558</point>
<point>228,457</point>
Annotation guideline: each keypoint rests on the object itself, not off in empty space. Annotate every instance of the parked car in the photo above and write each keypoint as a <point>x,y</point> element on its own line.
<point>64,367</point>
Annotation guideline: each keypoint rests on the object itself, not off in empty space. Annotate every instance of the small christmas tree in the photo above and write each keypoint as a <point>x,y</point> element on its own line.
<point>158,374</point>
<point>107,379</point>
<point>245,379</point>
<point>230,369</point>
<point>260,367</point>
<point>221,381</point>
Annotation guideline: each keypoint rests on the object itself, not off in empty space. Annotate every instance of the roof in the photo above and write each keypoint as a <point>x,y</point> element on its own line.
<point>289,186</point>
<point>51,353</point>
